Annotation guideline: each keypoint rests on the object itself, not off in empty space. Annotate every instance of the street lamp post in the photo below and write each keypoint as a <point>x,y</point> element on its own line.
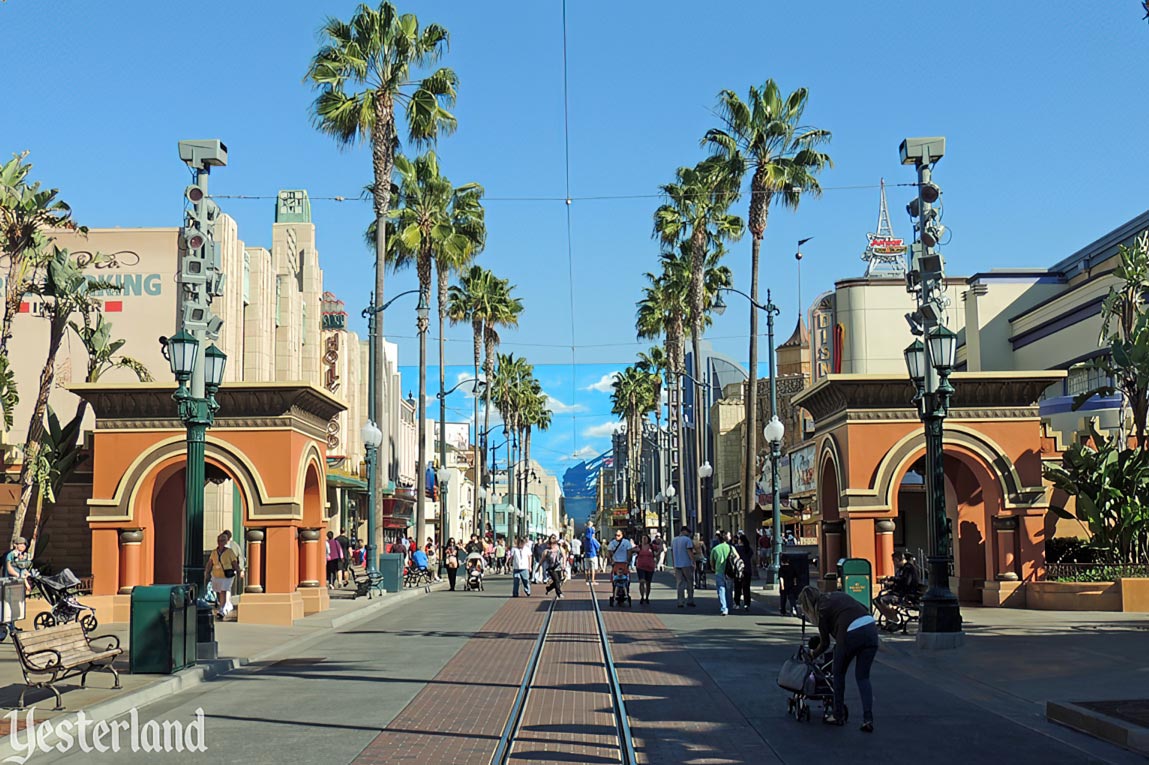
<point>771,311</point>
<point>440,475</point>
<point>372,438</point>
<point>374,416</point>
<point>422,315</point>
<point>198,414</point>
<point>774,432</point>
<point>704,473</point>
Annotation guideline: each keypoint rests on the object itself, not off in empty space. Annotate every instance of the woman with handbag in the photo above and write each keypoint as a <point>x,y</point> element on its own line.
<point>221,568</point>
<point>851,628</point>
<point>451,562</point>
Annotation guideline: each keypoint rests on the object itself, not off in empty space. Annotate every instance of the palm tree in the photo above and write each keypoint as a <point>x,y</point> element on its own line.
<point>633,398</point>
<point>433,220</point>
<point>502,311</point>
<point>696,215</point>
<point>536,416</point>
<point>64,289</point>
<point>764,136</point>
<point>364,70</point>
<point>508,389</point>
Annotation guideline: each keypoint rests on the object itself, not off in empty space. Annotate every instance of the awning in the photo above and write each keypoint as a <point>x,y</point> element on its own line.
<point>785,519</point>
<point>345,481</point>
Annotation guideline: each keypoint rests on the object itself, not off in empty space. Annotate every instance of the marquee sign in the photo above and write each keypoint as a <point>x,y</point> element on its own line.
<point>886,245</point>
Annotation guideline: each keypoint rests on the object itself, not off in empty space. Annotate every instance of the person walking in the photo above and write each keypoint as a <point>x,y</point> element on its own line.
<point>645,561</point>
<point>576,554</point>
<point>451,562</point>
<point>521,560</point>
<point>719,554</point>
<point>682,549</point>
<point>701,555</point>
<point>222,565</point>
<point>553,563</point>
<point>500,556</point>
<point>855,636</point>
<point>591,548</point>
<point>345,543</point>
<point>742,585</point>
<point>334,556</point>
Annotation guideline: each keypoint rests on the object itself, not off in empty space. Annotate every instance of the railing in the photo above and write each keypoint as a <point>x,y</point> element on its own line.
<point>1094,572</point>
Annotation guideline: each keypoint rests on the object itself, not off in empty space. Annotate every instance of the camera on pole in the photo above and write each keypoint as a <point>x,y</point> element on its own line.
<point>201,266</point>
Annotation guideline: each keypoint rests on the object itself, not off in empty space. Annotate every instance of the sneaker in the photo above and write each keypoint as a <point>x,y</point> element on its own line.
<point>724,613</point>
<point>560,597</point>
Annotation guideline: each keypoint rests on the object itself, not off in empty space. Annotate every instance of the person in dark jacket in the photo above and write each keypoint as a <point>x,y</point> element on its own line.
<point>742,584</point>
<point>855,637</point>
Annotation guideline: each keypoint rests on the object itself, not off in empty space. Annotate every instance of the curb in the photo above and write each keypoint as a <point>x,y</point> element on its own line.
<point>1127,735</point>
<point>210,670</point>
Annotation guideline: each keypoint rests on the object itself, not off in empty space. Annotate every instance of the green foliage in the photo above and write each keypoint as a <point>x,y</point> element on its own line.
<point>1125,328</point>
<point>9,396</point>
<point>1068,550</point>
<point>1111,486</point>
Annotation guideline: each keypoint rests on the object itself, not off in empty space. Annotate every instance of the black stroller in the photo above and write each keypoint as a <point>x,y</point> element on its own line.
<point>61,591</point>
<point>809,680</point>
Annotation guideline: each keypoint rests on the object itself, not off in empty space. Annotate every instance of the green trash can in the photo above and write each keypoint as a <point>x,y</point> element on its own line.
<point>391,567</point>
<point>162,629</point>
<point>857,580</point>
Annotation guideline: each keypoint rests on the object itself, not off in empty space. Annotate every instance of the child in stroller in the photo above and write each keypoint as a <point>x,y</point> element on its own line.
<point>475,566</point>
<point>60,591</point>
<point>620,584</point>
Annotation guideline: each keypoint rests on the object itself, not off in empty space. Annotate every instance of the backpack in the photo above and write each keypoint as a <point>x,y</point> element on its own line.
<point>735,566</point>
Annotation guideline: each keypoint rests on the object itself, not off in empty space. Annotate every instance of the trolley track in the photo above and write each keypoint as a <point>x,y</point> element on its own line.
<point>516,737</point>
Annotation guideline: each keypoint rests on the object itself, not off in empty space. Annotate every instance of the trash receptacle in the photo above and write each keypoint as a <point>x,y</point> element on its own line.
<point>391,567</point>
<point>857,580</point>
<point>12,593</point>
<point>163,629</point>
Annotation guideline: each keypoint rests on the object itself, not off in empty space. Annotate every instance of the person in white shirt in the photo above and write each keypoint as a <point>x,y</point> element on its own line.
<point>621,549</point>
<point>521,561</point>
<point>683,550</point>
<point>576,553</point>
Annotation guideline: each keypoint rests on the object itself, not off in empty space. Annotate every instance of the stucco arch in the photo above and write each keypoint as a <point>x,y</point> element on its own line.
<point>829,467</point>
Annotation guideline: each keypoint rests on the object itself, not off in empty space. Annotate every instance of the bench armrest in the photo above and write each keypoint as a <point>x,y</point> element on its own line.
<point>114,645</point>
<point>56,663</point>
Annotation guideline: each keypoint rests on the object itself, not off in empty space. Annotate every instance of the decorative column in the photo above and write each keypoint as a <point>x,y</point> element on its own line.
<point>254,539</point>
<point>884,548</point>
<point>1005,529</point>
<point>832,545</point>
<point>130,552</point>
<point>308,551</point>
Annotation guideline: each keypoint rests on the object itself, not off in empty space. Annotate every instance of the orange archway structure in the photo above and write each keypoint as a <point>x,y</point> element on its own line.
<point>269,439</point>
<point>870,446</point>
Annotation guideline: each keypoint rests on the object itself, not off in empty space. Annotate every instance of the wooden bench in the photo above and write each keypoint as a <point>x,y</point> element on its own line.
<point>52,654</point>
<point>365,582</point>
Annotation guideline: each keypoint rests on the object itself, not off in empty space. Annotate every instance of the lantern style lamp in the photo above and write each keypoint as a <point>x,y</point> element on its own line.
<point>943,349</point>
<point>774,431</point>
<point>182,350</point>
<point>215,361</point>
<point>916,362</point>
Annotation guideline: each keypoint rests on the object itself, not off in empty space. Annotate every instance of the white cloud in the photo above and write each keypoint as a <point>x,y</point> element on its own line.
<point>605,384</point>
<point>604,430</point>
<point>559,407</point>
<point>585,453</point>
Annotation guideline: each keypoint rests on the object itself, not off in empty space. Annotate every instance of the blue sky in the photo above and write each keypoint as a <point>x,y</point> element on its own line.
<point>1042,104</point>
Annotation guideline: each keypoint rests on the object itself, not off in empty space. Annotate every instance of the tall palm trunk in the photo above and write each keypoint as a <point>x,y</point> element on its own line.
<point>383,143</point>
<point>443,273</point>
<point>750,460</point>
<point>526,466</point>
<point>698,255</point>
<point>480,514</point>
<point>489,373</point>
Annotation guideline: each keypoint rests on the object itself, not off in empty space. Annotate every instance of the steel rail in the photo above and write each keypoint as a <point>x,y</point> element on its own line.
<point>503,751</point>
<point>621,721</point>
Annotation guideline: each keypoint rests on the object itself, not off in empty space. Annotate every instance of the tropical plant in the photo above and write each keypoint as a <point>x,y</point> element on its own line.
<point>63,290</point>
<point>763,136</point>
<point>1125,327</point>
<point>365,70</point>
<point>510,390</point>
<point>433,220</point>
<point>633,398</point>
<point>1110,485</point>
<point>503,310</point>
<point>57,459</point>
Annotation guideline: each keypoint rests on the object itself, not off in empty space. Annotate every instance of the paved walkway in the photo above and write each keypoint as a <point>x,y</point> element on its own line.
<point>433,683</point>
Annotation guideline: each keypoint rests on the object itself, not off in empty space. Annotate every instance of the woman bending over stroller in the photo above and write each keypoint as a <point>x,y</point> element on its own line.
<point>855,636</point>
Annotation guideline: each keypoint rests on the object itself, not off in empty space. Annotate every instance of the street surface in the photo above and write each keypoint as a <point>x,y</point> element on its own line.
<point>433,682</point>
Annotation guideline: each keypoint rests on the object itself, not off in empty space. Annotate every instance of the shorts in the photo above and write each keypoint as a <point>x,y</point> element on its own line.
<point>592,563</point>
<point>645,576</point>
<point>221,583</point>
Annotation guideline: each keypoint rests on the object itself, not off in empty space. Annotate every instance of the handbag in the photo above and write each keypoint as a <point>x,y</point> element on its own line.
<point>228,573</point>
<point>796,677</point>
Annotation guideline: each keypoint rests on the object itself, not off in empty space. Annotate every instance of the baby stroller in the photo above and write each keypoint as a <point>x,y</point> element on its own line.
<point>475,565</point>
<point>60,591</point>
<point>620,584</point>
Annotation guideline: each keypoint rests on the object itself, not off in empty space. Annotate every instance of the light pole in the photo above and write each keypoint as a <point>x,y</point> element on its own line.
<point>704,473</point>
<point>440,475</point>
<point>929,365</point>
<point>774,432</point>
<point>771,311</point>
<point>374,416</point>
<point>669,492</point>
<point>197,414</point>
<point>422,314</point>
<point>372,438</point>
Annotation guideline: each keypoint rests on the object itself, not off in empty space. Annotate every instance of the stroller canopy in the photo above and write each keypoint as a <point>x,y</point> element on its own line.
<point>62,580</point>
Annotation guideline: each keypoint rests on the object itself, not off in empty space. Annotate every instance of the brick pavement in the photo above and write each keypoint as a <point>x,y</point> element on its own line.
<point>677,712</point>
<point>569,715</point>
<point>458,717</point>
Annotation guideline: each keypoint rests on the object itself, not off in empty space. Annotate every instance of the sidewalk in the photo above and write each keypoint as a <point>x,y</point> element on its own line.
<point>239,645</point>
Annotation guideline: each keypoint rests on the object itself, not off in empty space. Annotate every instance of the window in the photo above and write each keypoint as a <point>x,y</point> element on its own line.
<point>1082,379</point>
